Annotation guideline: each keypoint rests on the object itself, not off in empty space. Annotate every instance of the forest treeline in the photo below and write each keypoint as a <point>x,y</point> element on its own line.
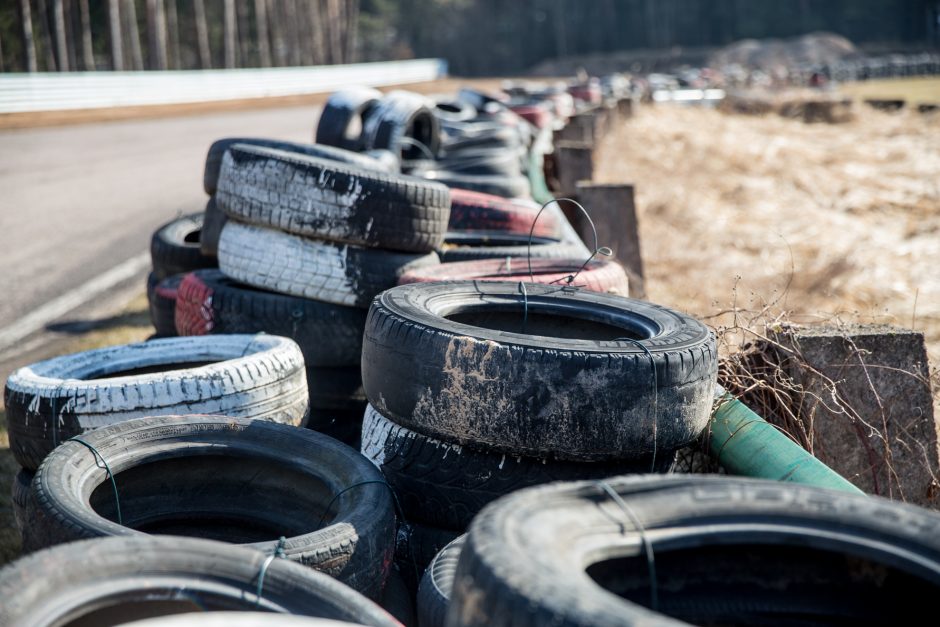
<point>476,36</point>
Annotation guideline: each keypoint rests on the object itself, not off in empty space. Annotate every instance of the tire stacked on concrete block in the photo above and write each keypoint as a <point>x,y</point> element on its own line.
<point>110,581</point>
<point>307,244</point>
<point>237,480</point>
<point>478,389</point>
<point>175,249</point>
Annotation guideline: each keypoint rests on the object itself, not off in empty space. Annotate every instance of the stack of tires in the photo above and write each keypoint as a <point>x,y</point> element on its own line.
<point>52,401</point>
<point>175,249</point>
<point>307,243</point>
<point>479,389</point>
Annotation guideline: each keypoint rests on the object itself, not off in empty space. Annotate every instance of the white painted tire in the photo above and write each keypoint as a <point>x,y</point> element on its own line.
<point>309,268</point>
<point>249,376</point>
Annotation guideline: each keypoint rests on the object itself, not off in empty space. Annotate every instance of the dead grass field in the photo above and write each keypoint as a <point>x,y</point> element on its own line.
<point>815,222</point>
<point>914,90</point>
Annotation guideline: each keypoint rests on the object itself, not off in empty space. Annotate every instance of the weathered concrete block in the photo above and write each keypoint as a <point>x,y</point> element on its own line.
<point>580,128</point>
<point>574,162</point>
<point>867,405</point>
<point>613,210</point>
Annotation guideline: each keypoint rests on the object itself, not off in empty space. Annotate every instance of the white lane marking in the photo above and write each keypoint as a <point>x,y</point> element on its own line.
<point>65,303</point>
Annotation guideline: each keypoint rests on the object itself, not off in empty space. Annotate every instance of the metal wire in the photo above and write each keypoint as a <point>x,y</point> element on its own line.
<point>117,500</point>
<point>278,552</point>
<point>605,251</point>
<point>647,545</point>
<point>655,392</point>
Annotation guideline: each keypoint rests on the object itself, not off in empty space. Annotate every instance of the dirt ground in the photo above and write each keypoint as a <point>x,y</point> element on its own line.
<point>814,221</point>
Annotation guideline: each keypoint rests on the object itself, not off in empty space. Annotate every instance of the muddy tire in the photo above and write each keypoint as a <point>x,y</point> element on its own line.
<point>727,551</point>
<point>328,335</point>
<point>236,480</point>
<point>446,485</point>
<point>139,577</point>
<point>251,376</point>
<point>332,201</point>
<point>290,264</point>
<point>593,377</point>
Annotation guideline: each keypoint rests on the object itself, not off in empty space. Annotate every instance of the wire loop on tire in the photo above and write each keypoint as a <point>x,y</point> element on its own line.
<point>647,545</point>
<point>97,455</point>
<point>598,250</point>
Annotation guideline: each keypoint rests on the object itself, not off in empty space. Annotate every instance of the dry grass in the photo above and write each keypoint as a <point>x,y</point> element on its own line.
<point>817,221</point>
<point>132,324</point>
<point>914,90</point>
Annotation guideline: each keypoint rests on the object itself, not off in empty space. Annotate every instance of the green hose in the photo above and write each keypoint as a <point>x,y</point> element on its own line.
<point>745,444</point>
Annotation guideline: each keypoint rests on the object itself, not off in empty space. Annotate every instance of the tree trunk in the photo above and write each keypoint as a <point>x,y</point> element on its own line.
<point>292,34</point>
<point>29,46</point>
<point>230,33</point>
<point>46,38</point>
<point>243,17</point>
<point>276,17</point>
<point>156,34</point>
<point>261,22</point>
<point>332,30</point>
<point>352,30</point>
<point>316,16</point>
<point>173,30</point>
<point>133,34</point>
<point>61,45</point>
<point>88,52</point>
<point>202,34</point>
<point>117,44</point>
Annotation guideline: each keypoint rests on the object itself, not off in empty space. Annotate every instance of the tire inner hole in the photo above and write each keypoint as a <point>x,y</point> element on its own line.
<point>546,324</point>
<point>770,585</point>
<point>236,499</point>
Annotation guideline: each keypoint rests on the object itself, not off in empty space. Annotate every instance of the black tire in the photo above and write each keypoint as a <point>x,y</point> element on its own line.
<point>505,186</point>
<point>328,335</point>
<point>726,550</point>
<point>237,480</point>
<point>290,264</point>
<point>343,117</point>
<point>212,222</point>
<point>19,497</point>
<point>470,245</point>
<point>332,201</point>
<point>436,584</point>
<point>161,297</point>
<point>454,110</point>
<point>483,163</point>
<point>214,158</point>
<point>457,138</point>
<point>403,123</point>
<point>444,485</point>
<point>397,600</point>
<point>251,376</point>
<point>174,247</point>
<point>415,548</point>
<point>109,581</point>
<point>545,393</point>
<point>237,619</point>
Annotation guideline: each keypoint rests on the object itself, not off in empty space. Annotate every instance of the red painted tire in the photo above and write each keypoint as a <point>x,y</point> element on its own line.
<point>475,211</point>
<point>600,275</point>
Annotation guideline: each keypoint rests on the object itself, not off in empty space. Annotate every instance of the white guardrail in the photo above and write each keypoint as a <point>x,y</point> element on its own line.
<point>50,91</point>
